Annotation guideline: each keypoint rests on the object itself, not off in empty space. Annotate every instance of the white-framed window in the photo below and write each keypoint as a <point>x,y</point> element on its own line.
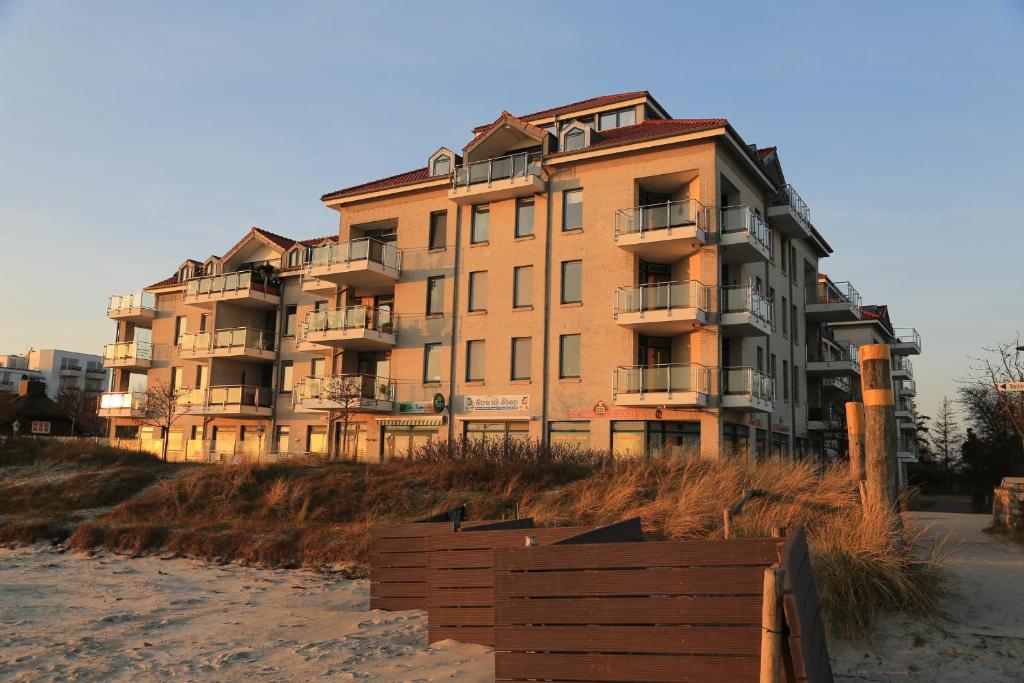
<point>40,427</point>
<point>442,165</point>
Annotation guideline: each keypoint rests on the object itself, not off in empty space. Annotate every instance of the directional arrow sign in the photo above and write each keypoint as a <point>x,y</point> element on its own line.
<point>1011,386</point>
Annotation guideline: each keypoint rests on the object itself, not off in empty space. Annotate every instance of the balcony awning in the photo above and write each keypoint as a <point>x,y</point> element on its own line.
<point>411,421</point>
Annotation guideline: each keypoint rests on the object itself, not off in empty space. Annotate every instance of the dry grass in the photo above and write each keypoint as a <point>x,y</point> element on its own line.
<point>319,514</point>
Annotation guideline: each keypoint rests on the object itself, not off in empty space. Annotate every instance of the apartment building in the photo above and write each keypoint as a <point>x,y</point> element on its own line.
<point>58,368</point>
<point>598,274</point>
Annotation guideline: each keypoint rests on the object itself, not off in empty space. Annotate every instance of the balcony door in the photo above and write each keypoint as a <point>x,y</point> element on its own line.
<point>376,363</point>
<point>654,350</point>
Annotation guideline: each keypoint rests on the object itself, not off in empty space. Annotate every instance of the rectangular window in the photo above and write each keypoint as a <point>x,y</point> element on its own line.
<point>617,119</point>
<point>793,318</point>
<point>570,433</point>
<point>281,439</point>
<point>792,263</point>
<point>475,350</point>
<point>572,210</point>
<point>760,359</point>
<point>785,256</point>
<point>289,321</point>
<point>772,367</point>
<point>785,315</point>
<point>317,366</point>
<point>431,363</point>
<point>180,328</point>
<point>771,302</point>
<point>177,378</point>
<point>785,380</point>
<point>202,376</point>
<point>478,291</point>
<point>569,355</point>
<point>204,322</point>
<point>522,286</point>
<point>40,427</point>
<point>438,229</point>
<point>796,384</point>
<point>572,282</point>
<point>435,295</point>
<point>286,377</point>
<point>521,347</point>
<point>480,231</point>
<point>524,217</point>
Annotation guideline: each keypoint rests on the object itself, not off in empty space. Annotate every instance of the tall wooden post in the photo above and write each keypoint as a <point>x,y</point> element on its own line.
<point>880,466</point>
<point>855,434</point>
<point>771,626</point>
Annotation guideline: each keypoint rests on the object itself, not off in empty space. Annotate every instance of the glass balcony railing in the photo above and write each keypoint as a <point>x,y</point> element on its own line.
<point>747,299</point>
<point>227,396</point>
<point>345,388</point>
<point>351,318</point>
<point>742,218</point>
<point>663,296</point>
<point>124,400</point>
<point>122,351</point>
<point>828,292</point>
<point>226,340</point>
<point>789,196</point>
<point>837,384</point>
<point>641,219</point>
<point>122,303</point>
<point>500,168</point>
<point>748,382</point>
<point>671,377</point>
<point>229,283</point>
<point>361,249</point>
<point>903,365</point>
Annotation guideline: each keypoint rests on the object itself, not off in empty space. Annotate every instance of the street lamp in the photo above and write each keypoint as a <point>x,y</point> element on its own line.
<point>16,426</point>
<point>260,429</point>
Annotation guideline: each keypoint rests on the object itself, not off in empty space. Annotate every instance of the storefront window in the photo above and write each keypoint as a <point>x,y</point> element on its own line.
<point>570,433</point>
<point>403,441</point>
<point>482,431</point>
<point>628,439</point>
<point>760,443</point>
<point>735,439</point>
<point>780,444</point>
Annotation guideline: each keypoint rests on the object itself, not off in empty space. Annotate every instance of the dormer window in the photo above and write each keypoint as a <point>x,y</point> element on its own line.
<point>617,119</point>
<point>442,165</point>
<point>295,258</point>
<point>574,139</point>
<point>184,274</point>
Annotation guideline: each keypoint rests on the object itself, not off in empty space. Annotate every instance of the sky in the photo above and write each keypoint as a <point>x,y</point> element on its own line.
<point>135,135</point>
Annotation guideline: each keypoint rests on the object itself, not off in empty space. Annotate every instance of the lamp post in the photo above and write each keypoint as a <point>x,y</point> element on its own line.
<point>16,426</point>
<point>260,429</point>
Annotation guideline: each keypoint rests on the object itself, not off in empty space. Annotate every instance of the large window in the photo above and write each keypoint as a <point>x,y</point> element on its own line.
<point>438,229</point>
<point>736,438</point>
<point>286,377</point>
<point>478,291</point>
<point>295,258</point>
<point>475,350</point>
<point>572,210</point>
<point>569,355</point>
<point>524,217</point>
<point>435,295</point>
<point>522,286</point>
<point>483,431</point>
<point>521,357</point>
<point>180,328</point>
<point>785,379</point>
<point>432,362</point>
<point>480,231</point>
<point>177,378</point>
<point>576,433</point>
<point>281,438</point>
<point>617,119</point>
<point>575,139</point>
<point>572,282</point>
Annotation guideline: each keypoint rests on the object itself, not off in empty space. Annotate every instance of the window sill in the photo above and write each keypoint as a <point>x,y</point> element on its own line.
<point>571,304</point>
<point>570,380</point>
<point>476,312</point>
<point>519,309</point>
<point>521,381</point>
<point>432,383</point>
<point>573,231</point>
<point>485,243</point>
<point>520,238</point>
<point>432,316</point>
<point>474,383</point>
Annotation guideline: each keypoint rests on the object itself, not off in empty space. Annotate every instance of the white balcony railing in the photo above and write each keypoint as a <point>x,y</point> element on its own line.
<point>747,299</point>
<point>907,335</point>
<point>671,377</point>
<point>346,387</point>
<point>789,196</point>
<point>122,351</point>
<point>742,218</point>
<point>833,352</point>
<point>666,216</point>
<point>226,340</point>
<point>663,296</point>
<point>123,303</point>
<point>228,283</point>
<point>123,400</point>
<point>500,168</point>
<point>748,382</point>
<point>902,364</point>
<point>351,318</point>
<point>361,249</point>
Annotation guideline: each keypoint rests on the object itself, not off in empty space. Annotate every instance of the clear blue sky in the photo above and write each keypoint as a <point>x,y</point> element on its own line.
<point>133,135</point>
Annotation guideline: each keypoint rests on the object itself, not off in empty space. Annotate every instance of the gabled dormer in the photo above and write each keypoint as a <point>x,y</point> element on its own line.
<point>258,247</point>
<point>211,266</point>
<point>189,269</point>
<point>295,257</point>
<point>575,136</point>
<point>507,135</point>
<point>442,162</point>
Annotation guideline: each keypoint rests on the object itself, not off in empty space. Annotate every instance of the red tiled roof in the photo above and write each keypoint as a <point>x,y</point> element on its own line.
<point>313,241</point>
<point>279,240</point>
<point>763,154</point>
<point>504,116</point>
<point>381,184</point>
<point>582,104</point>
<point>649,130</point>
<point>172,280</point>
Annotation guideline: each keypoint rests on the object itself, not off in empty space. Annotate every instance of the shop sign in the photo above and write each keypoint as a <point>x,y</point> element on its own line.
<point>486,403</point>
<point>416,407</point>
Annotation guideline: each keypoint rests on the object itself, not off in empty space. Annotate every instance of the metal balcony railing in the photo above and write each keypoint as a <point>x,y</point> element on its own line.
<point>131,400</point>
<point>666,216</point>
<point>361,249</point>
<point>351,318</point>
<point>837,383</point>
<point>789,196</point>
<point>907,335</point>
<point>499,168</point>
<point>827,352</point>
<point>227,339</point>
<point>670,377</point>
<point>746,381</point>
<point>742,218</point>
<point>747,299</point>
<point>230,282</point>
<point>825,412</point>
<point>118,303</point>
<point>340,388</point>
<point>828,292</point>
<point>902,363</point>
<point>138,350</point>
<point>663,296</point>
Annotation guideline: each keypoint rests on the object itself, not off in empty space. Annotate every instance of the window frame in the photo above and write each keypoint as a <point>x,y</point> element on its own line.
<point>428,349</point>
<point>472,345</point>
<point>480,210</point>
<point>516,271</point>
<point>520,203</point>
<point>565,209</point>
<point>475,279</point>
<point>427,306</point>
<point>561,356</point>
<point>291,315</point>
<point>529,359</point>
<point>286,381</point>
<point>433,231</point>
<point>562,289</point>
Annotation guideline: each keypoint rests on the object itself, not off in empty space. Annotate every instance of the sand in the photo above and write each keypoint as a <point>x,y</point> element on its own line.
<point>68,616</point>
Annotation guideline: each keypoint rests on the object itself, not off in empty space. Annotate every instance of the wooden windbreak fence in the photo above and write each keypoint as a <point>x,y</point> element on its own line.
<point>806,656</point>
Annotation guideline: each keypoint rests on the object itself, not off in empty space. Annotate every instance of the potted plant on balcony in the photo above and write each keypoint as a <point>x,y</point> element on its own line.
<point>267,275</point>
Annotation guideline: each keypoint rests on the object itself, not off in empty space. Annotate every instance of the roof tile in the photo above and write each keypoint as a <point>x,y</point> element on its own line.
<point>381,184</point>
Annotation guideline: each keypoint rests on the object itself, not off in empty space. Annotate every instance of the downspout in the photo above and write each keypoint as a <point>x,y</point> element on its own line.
<point>546,349</point>
<point>453,356</point>
<point>793,375</point>
<point>276,375</point>
<point>768,360</point>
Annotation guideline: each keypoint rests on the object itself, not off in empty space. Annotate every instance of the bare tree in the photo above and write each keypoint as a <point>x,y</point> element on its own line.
<point>347,392</point>
<point>80,407</point>
<point>945,435</point>
<point>162,408</point>
<point>1004,363</point>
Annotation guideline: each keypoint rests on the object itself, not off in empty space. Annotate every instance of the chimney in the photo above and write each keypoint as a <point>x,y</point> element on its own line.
<point>32,387</point>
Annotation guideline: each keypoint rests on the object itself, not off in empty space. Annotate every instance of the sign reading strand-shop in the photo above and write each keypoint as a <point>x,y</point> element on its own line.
<point>476,404</point>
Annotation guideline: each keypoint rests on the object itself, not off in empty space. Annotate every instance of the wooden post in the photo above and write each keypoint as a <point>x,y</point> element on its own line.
<point>855,432</point>
<point>771,626</point>
<point>880,466</point>
<point>726,523</point>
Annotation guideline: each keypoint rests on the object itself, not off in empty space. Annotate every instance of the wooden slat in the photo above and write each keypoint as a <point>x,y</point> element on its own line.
<point>626,530</point>
<point>660,639</point>
<point>399,574</point>
<point>625,668</point>
<point>749,552</point>
<point>638,610</point>
<point>397,604</point>
<point>808,647</point>
<point>460,578</point>
<point>401,590</point>
<point>502,538</point>
<point>699,581</point>
<point>467,634</point>
<point>464,615</point>
<point>491,525</point>
<point>463,597</point>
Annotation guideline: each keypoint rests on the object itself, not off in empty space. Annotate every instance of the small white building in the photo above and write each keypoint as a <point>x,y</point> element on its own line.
<point>57,367</point>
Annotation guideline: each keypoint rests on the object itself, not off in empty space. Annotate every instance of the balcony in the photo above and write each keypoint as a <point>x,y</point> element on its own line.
<point>122,404</point>
<point>138,308</point>
<point>135,355</point>
<point>906,342</point>
<point>905,409</point>
<point>832,302</point>
<point>244,288</point>
<point>228,400</point>
<point>682,385</point>
<point>663,233</point>
<point>70,370</point>
<point>745,312</point>
<point>906,387</point>
<point>239,343</point>
<point>744,235</point>
<point>832,359</point>
<point>902,368</point>
<point>312,284</point>
<point>356,392</point>
<point>664,309</point>
<point>839,385</point>
<point>747,390</point>
<point>366,264</point>
<point>906,449</point>
<point>790,214</point>
<point>906,424</point>
<point>94,370</point>
<point>355,327</point>
<point>516,175</point>
<point>825,417</point>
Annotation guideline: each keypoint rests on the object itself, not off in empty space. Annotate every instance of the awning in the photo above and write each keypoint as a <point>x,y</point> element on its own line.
<point>410,421</point>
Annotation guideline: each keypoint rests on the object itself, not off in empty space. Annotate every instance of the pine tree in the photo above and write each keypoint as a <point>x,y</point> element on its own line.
<point>946,436</point>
